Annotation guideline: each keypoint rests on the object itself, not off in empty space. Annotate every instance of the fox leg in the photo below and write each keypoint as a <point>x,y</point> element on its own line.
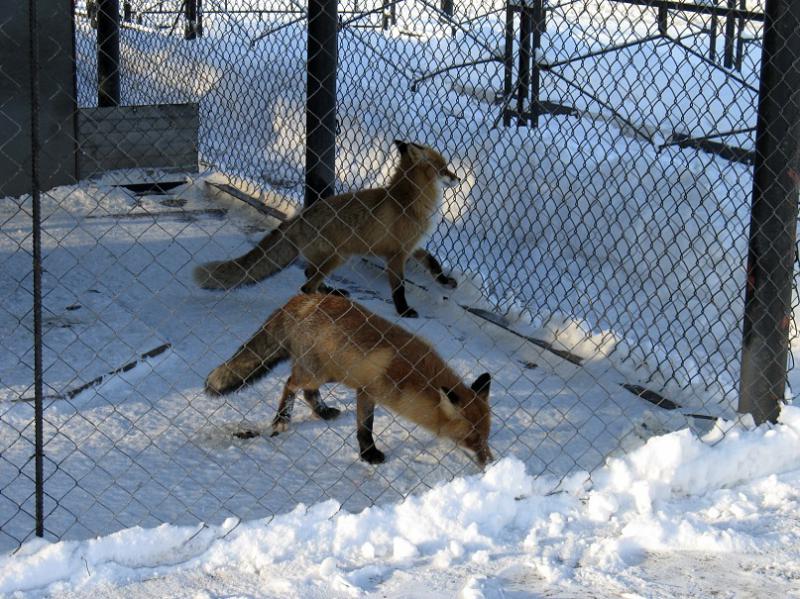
<point>316,272</point>
<point>430,262</point>
<point>319,407</point>
<point>300,379</point>
<point>365,415</point>
<point>281,421</point>
<point>322,287</point>
<point>395,266</point>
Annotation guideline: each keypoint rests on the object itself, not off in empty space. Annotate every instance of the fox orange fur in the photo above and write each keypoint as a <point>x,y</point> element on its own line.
<point>332,339</point>
<point>388,222</point>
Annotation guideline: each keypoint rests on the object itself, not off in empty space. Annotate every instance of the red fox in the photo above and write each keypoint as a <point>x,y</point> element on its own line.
<point>329,338</point>
<point>387,222</point>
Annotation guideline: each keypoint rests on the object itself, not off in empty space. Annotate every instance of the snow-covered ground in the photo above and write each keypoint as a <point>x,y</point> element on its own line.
<point>580,232</point>
<point>678,517</point>
<point>147,446</point>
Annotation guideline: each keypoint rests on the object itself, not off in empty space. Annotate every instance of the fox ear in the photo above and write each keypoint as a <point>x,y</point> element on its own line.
<point>402,146</point>
<point>451,395</point>
<point>482,383</point>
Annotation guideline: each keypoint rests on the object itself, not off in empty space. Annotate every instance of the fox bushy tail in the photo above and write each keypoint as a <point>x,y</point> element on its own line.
<point>274,252</point>
<point>262,352</point>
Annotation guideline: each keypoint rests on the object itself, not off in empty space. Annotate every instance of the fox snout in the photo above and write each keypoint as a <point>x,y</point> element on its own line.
<point>448,178</point>
<point>484,456</point>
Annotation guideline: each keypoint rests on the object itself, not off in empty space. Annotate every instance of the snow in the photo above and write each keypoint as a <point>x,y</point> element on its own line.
<point>147,446</point>
<point>581,233</point>
<point>586,219</point>
<point>659,499</point>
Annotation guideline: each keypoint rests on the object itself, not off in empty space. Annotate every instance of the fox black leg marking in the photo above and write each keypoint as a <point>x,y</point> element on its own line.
<point>430,262</point>
<point>316,273</point>
<point>282,419</point>
<point>396,269</point>
<point>319,407</point>
<point>365,416</point>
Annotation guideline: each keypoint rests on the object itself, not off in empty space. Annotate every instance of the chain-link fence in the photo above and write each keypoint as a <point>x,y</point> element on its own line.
<point>618,222</point>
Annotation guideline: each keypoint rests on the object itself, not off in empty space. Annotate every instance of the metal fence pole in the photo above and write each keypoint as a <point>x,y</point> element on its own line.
<point>740,37</point>
<point>38,413</point>
<point>525,33</point>
<point>321,99</point>
<point>662,20</point>
<point>730,35</point>
<point>448,8</point>
<point>773,217</point>
<point>712,34</point>
<point>538,27</point>
<point>508,63</point>
<point>108,85</point>
<point>190,13</point>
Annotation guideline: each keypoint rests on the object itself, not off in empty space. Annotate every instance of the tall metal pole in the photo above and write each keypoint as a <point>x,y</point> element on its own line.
<point>773,217</point>
<point>730,36</point>
<point>525,32</point>
<point>662,20</point>
<point>321,99</point>
<point>38,409</point>
<point>108,86</point>
<point>190,10</point>
<point>508,64</point>
<point>538,26</point>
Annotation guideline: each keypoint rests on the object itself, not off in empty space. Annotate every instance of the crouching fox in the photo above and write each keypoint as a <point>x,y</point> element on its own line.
<point>388,222</point>
<point>332,339</point>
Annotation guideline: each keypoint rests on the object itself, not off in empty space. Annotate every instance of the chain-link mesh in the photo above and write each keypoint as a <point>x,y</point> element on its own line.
<point>591,254</point>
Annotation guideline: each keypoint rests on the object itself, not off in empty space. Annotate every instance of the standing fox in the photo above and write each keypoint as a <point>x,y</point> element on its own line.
<point>332,339</point>
<point>386,221</point>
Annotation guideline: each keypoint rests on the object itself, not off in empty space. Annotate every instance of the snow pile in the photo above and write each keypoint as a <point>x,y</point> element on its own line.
<point>579,219</point>
<point>674,493</point>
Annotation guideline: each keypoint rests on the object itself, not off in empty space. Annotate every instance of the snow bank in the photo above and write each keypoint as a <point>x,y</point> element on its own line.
<point>674,493</point>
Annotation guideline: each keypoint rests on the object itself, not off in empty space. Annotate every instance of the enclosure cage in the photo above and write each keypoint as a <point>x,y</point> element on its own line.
<point>622,236</point>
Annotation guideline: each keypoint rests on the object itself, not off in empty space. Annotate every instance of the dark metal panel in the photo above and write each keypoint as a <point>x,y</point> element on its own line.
<point>57,103</point>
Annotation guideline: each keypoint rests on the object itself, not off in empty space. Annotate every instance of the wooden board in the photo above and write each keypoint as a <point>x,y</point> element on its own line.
<point>118,137</point>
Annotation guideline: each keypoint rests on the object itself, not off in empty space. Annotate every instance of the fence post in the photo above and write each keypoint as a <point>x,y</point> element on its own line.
<point>538,26</point>
<point>321,99</point>
<point>190,31</point>
<point>712,34</point>
<point>448,9</point>
<point>730,35</point>
<point>508,63</point>
<point>773,216</point>
<point>740,37</point>
<point>36,224</point>
<point>662,20</point>
<point>525,33</point>
<point>108,53</point>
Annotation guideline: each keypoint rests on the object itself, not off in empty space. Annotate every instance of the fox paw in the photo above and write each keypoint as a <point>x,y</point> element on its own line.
<point>446,281</point>
<point>373,455</point>
<point>409,313</point>
<point>333,291</point>
<point>279,425</point>
<point>328,413</point>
